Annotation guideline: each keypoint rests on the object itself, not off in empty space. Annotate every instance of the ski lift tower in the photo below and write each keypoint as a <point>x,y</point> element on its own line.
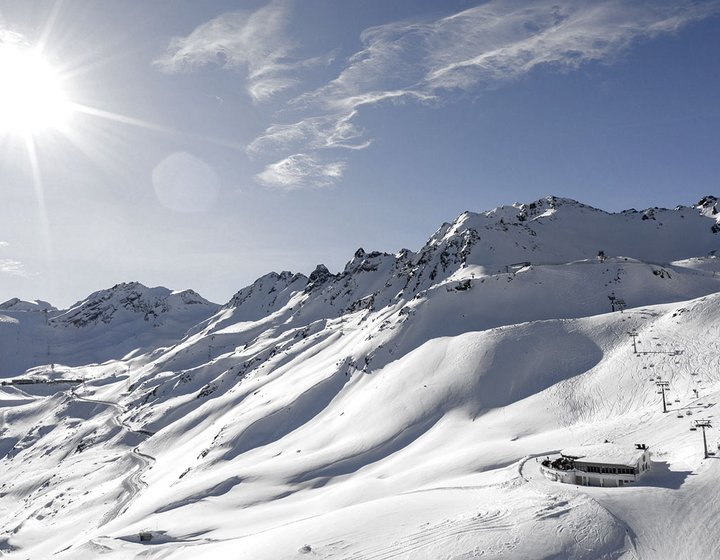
<point>702,424</point>
<point>634,334</point>
<point>663,386</point>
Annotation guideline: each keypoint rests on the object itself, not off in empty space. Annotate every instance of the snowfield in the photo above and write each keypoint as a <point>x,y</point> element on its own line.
<point>396,409</point>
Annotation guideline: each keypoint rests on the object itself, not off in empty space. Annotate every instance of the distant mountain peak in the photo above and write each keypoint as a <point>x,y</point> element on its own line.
<point>131,299</point>
<point>17,304</point>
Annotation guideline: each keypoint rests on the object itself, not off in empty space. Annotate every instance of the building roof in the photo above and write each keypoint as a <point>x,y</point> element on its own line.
<point>607,453</point>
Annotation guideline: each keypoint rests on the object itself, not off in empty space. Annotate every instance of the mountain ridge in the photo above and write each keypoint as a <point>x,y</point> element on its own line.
<point>551,231</point>
<point>518,216</point>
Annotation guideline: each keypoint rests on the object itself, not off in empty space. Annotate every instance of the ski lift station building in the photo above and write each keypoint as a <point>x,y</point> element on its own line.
<point>603,465</point>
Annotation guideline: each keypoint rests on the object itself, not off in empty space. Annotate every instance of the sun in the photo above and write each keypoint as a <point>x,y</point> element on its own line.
<point>32,99</point>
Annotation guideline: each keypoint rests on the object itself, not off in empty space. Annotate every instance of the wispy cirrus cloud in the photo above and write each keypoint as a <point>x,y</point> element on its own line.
<point>326,131</point>
<point>300,171</point>
<point>478,48</point>
<point>253,42</point>
<point>11,266</point>
<point>499,41</point>
<point>8,37</point>
<point>502,41</point>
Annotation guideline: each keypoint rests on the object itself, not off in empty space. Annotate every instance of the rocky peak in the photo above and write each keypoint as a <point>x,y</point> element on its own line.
<point>131,299</point>
<point>708,206</point>
<point>317,278</point>
<point>267,287</point>
<point>365,262</point>
<point>190,297</point>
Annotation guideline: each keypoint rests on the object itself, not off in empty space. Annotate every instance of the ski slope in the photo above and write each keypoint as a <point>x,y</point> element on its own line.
<point>392,410</point>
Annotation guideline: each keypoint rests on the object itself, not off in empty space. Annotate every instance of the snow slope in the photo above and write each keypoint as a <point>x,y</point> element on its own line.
<point>392,410</point>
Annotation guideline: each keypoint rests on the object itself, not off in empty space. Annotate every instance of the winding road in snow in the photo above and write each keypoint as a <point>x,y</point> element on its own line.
<point>133,484</point>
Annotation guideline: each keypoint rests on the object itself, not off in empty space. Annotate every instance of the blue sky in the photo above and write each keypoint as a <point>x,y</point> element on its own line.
<point>212,142</point>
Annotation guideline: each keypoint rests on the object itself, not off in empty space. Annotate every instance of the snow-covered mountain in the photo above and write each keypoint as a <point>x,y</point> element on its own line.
<point>126,302</point>
<point>16,304</point>
<point>109,324</point>
<point>384,411</point>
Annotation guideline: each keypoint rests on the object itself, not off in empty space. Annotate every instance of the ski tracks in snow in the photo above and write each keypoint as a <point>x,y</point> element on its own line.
<point>410,546</point>
<point>586,535</point>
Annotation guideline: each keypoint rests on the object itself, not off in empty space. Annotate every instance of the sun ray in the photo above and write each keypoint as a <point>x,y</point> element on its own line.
<point>34,106</point>
<point>119,118</point>
<point>37,181</point>
<point>49,26</point>
<point>132,121</point>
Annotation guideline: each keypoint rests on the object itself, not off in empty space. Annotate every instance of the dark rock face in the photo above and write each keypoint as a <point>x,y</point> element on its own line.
<point>708,201</point>
<point>317,278</point>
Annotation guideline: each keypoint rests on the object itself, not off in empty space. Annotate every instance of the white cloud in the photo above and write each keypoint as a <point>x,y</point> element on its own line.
<point>327,131</point>
<point>477,48</point>
<point>300,171</point>
<point>253,41</point>
<point>505,40</point>
<point>10,37</point>
<point>13,267</point>
<point>502,40</point>
<point>424,60</point>
<point>497,41</point>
